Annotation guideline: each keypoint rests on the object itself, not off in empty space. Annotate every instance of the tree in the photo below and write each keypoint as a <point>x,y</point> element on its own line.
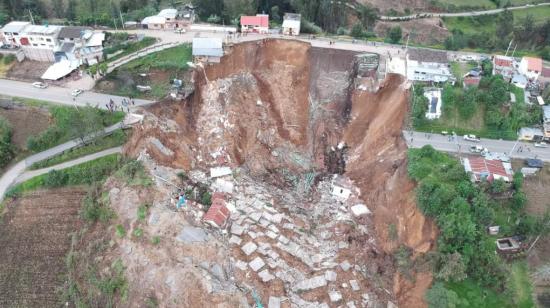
<point>275,13</point>
<point>498,186</point>
<point>505,24</point>
<point>6,147</point>
<point>71,10</point>
<point>235,8</point>
<point>487,68</point>
<point>450,267</point>
<point>518,200</point>
<point>518,180</point>
<point>439,297</point>
<point>58,8</point>
<point>395,34</point>
<point>367,14</point>
<point>206,8</point>
<point>358,30</point>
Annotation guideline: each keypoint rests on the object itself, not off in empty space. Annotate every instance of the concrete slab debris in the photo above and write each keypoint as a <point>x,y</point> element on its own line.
<point>192,235</point>
<point>271,234</point>
<point>218,272</point>
<point>354,285</point>
<point>343,245</point>
<point>256,216</point>
<point>310,284</point>
<point>335,296</point>
<point>351,305</point>
<point>345,266</point>
<point>237,229</point>
<point>360,209</point>
<point>235,240</point>
<point>219,171</point>
<point>249,248</point>
<point>241,265</point>
<point>330,275</point>
<point>283,239</point>
<point>256,264</point>
<point>266,276</point>
<point>274,302</point>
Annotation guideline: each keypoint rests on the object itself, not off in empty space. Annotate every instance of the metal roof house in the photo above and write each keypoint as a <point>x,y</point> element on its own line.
<point>428,65</point>
<point>207,49</point>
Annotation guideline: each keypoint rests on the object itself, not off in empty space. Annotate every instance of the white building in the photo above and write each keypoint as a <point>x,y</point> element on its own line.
<point>154,22</point>
<point>530,67</point>
<point>207,49</point>
<point>291,24</point>
<point>12,32</point>
<point>40,42</point>
<point>428,65</point>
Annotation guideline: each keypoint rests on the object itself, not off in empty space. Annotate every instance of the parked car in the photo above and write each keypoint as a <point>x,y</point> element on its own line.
<point>478,149</point>
<point>541,144</point>
<point>472,138</point>
<point>179,30</point>
<point>76,92</point>
<point>40,85</point>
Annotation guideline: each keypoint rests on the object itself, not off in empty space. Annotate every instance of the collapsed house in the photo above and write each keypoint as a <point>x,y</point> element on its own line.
<point>206,49</point>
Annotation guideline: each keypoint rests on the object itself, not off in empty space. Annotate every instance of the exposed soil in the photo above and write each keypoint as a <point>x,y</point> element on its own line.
<point>275,108</point>
<point>35,239</point>
<point>422,31</point>
<point>28,70</point>
<point>25,121</point>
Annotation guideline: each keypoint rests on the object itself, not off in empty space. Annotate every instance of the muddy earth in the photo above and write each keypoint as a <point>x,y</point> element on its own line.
<point>317,191</point>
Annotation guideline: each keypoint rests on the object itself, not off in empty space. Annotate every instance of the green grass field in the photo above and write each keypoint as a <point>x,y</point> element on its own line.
<point>540,13</point>
<point>520,284</point>
<point>473,295</point>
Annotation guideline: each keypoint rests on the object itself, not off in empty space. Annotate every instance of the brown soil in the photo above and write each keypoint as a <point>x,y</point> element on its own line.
<point>35,239</point>
<point>283,105</point>
<point>25,122</point>
<point>28,70</point>
<point>423,31</point>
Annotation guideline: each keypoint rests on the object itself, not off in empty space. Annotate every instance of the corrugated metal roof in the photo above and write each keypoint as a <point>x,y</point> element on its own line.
<point>15,26</point>
<point>41,30</point>
<point>168,13</point>
<point>72,32</point>
<point>153,20</point>
<point>203,46</point>
<point>427,55</point>
<point>289,23</point>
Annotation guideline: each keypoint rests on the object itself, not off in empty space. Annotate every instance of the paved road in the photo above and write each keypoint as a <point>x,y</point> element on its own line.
<point>61,95</point>
<point>33,173</point>
<point>9,177</point>
<point>474,13</point>
<point>459,145</point>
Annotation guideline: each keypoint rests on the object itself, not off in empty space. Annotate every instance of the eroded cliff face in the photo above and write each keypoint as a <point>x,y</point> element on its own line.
<point>277,106</point>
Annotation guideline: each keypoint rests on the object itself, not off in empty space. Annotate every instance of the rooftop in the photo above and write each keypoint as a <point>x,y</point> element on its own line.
<point>168,13</point>
<point>533,64</point>
<point>482,168</point>
<point>289,23</point>
<point>72,32</point>
<point>42,30</point>
<point>546,72</point>
<point>205,46</point>
<point>427,55</point>
<point>153,20</point>
<point>15,26</point>
<point>503,61</point>
<point>292,16</point>
<point>258,20</point>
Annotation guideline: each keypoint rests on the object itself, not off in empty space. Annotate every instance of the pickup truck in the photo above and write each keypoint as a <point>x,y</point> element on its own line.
<point>472,138</point>
<point>478,149</point>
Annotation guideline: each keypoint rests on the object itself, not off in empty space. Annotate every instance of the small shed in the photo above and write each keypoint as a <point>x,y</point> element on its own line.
<point>207,49</point>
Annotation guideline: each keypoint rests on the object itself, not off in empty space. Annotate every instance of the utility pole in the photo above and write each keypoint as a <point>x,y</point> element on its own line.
<point>508,49</point>
<point>114,21</point>
<point>32,18</point>
<point>513,52</point>
<point>121,19</point>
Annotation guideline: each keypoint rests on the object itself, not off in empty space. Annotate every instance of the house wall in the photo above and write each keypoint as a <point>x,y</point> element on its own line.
<point>291,30</point>
<point>255,29</point>
<point>39,54</point>
<point>155,26</point>
<point>340,192</point>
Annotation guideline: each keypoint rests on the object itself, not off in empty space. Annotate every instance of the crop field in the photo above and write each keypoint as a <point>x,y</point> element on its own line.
<point>35,239</point>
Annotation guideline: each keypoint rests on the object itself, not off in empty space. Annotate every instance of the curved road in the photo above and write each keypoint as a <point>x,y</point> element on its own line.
<point>33,173</point>
<point>475,13</point>
<point>9,177</point>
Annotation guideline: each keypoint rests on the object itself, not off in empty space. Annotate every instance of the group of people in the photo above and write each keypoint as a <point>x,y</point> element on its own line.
<point>112,107</point>
<point>520,149</point>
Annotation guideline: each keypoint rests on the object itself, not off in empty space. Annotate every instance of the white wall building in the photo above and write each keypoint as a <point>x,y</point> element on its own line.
<point>530,67</point>
<point>291,24</point>
<point>40,42</point>
<point>427,65</point>
<point>12,32</point>
<point>434,103</point>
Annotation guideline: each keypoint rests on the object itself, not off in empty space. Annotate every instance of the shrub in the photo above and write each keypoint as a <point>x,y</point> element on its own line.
<point>55,178</point>
<point>142,212</point>
<point>309,27</point>
<point>439,297</point>
<point>357,31</point>
<point>120,231</point>
<point>498,186</point>
<point>7,150</point>
<point>138,232</point>
<point>8,59</point>
<point>96,206</point>
<point>342,31</point>
<point>155,240</point>
<point>206,198</point>
<point>134,173</point>
<point>394,34</point>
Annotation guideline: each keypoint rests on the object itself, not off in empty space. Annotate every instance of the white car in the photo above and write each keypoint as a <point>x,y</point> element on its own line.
<point>478,149</point>
<point>40,85</point>
<point>541,145</point>
<point>76,92</point>
<point>472,138</point>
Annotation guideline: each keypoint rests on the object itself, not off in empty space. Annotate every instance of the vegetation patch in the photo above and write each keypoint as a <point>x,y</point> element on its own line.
<point>85,173</point>
<point>463,211</point>
<point>117,43</point>
<point>486,111</point>
<point>70,123</point>
<point>7,149</point>
<point>133,172</point>
<point>117,138</point>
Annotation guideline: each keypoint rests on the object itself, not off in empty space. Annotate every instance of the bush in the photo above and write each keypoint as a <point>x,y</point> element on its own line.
<point>55,178</point>
<point>439,297</point>
<point>358,30</point>
<point>395,34</point>
<point>498,186</point>
<point>7,149</point>
<point>120,231</point>
<point>155,240</point>
<point>142,212</point>
<point>309,27</point>
<point>342,31</point>
<point>95,206</point>
<point>134,173</point>
<point>138,232</point>
<point>206,198</point>
<point>8,59</point>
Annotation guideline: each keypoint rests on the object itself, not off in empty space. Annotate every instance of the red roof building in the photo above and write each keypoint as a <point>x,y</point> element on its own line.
<point>503,61</point>
<point>218,213</point>
<point>255,24</point>
<point>489,170</point>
